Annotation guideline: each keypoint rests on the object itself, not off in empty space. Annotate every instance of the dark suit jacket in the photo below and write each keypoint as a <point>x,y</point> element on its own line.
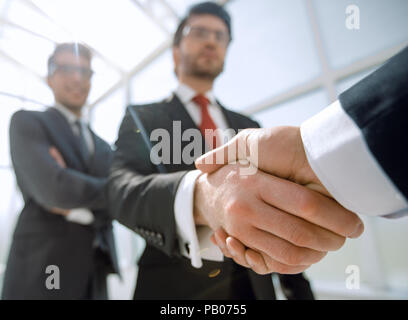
<point>378,104</point>
<point>143,200</point>
<point>83,254</point>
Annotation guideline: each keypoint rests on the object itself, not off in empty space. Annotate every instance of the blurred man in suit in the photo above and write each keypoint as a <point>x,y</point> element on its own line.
<point>63,245</point>
<point>168,204</point>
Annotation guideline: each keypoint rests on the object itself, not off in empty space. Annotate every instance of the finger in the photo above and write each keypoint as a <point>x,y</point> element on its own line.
<point>309,205</point>
<point>57,156</point>
<point>212,238</point>
<point>281,250</point>
<point>263,264</point>
<point>237,250</point>
<point>258,261</point>
<point>220,238</point>
<point>295,230</point>
<point>59,211</point>
<point>234,150</point>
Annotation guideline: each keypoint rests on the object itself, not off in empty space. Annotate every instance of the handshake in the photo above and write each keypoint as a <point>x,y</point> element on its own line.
<point>278,219</point>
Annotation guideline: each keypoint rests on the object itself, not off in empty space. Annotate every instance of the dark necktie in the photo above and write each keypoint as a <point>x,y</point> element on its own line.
<point>207,123</point>
<point>82,142</point>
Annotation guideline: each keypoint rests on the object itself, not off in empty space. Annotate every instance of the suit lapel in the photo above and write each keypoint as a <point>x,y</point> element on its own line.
<point>61,130</point>
<point>163,115</point>
<point>178,112</point>
<point>231,120</point>
<point>100,160</point>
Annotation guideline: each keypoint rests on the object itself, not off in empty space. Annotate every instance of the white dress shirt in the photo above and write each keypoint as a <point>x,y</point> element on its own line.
<point>78,215</point>
<point>341,159</point>
<point>197,239</point>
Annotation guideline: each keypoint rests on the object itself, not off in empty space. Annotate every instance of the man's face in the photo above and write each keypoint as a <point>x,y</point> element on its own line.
<point>203,47</point>
<point>71,80</point>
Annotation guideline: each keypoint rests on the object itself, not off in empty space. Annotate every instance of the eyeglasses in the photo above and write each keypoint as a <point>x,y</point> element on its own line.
<point>69,70</point>
<point>202,34</point>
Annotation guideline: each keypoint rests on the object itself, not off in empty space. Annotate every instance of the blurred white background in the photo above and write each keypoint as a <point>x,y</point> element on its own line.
<point>289,59</point>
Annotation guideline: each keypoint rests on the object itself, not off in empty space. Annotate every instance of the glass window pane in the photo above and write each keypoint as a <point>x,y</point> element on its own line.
<point>24,15</point>
<point>107,116</point>
<point>27,49</point>
<point>103,79</point>
<point>10,206</point>
<point>379,267</point>
<point>181,6</point>
<point>23,84</point>
<point>392,240</point>
<point>118,29</point>
<point>8,189</point>
<point>331,271</point>
<point>155,82</point>
<point>382,24</point>
<point>294,112</point>
<point>272,50</point>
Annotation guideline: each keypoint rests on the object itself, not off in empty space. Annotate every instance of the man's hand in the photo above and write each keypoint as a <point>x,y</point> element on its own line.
<point>287,225</point>
<point>278,151</point>
<point>57,157</point>
<point>62,212</point>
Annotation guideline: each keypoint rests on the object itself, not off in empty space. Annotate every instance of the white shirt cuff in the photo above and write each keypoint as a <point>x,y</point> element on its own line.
<point>338,154</point>
<point>196,239</point>
<point>81,216</point>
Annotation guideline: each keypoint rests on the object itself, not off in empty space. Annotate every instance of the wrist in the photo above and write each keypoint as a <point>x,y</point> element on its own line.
<point>303,171</point>
<point>199,201</point>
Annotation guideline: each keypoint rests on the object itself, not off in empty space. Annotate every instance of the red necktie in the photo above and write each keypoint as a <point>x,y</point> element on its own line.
<point>207,122</point>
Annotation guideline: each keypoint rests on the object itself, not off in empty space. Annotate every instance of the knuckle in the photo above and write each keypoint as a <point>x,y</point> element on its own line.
<point>260,270</point>
<point>308,204</point>
<point>338,243</point>
<point>237,212</point>
<point>317,256</point>
<point>237,209</point>
<point>302,237</point>
<point>295,257</point>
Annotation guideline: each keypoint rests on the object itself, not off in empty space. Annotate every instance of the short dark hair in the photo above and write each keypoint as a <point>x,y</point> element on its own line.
<point>200,9</point>
<point>74,47</point>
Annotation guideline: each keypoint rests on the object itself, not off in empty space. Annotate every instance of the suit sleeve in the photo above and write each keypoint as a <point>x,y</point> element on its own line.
<point>139,197</point>
<point>356,146</point>
<point>379,106</point>
<point>42,178</point>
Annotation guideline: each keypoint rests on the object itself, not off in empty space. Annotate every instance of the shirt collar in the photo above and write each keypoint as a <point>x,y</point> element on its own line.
<point>68,114</point>
<point>186,94</point>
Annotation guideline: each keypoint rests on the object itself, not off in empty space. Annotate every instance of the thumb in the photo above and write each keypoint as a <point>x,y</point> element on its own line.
<point>233,150</point>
